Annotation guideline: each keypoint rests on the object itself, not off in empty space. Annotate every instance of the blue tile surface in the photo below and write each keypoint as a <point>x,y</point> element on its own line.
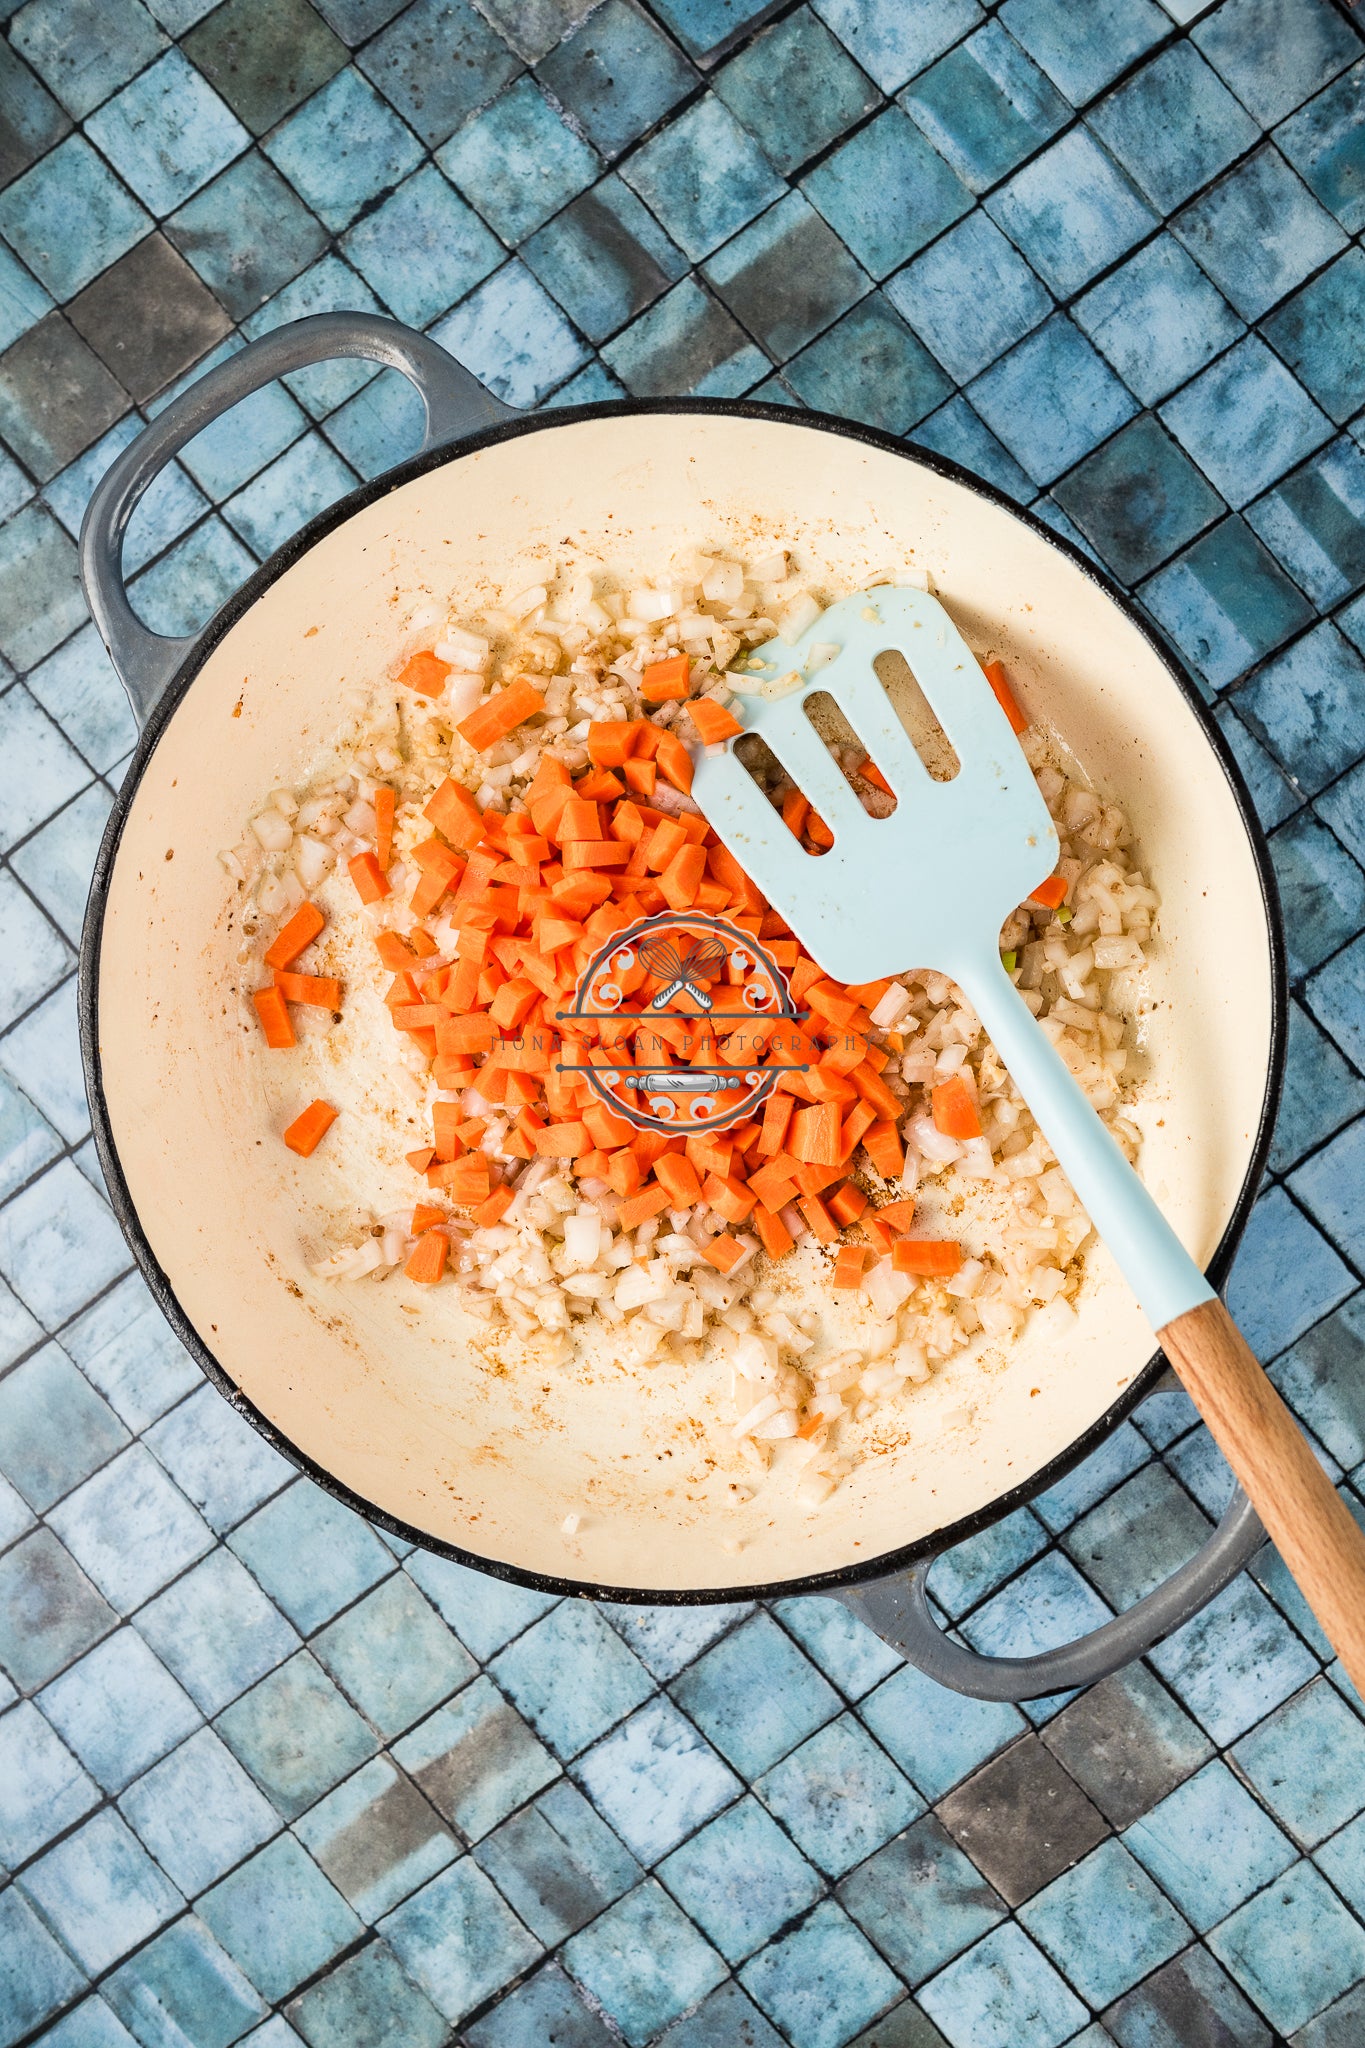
<point>427,1802</point>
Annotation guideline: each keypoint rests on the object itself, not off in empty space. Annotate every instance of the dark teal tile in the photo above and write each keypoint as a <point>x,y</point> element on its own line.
<point>1325,142</point>
<point>342,149</point>
<point>845,1649</point>
<point>356,19</point>
<point>686,344</point>
<point>367,1999</point>
<point>1022,1820</point>
<point>1127,1743</point>
<point>1308,706</point>
<point>1210,1846</point>
<point>312,1555</point>
<point>1051,400</point>
<point>1157,319</point>
<point>1258,232</point>
<point>787,277</point>
<point>279,1918</point>
<point>1313,333</point>
<point>572,1676</point>
<point>933,1749</point>
<point>1071,212</point>
<point>1131,1542</point>
<point>970,297</point>
<point>1293,1949</point>
<point>643,1963</point>
<point>920,1901</point>
<point>557,1864</point>
<point>38,1977</point>
<point>969,1571</point>
<point>618,75</point>
<point>740,1880</point>
<point>435,64</point>
<point>1306,1762</point>
<point>1320,1094</point>
<point>839,1796</point>
<point>518,162</point>
<point>1319,1378</point>
<point>1226,603</point>
<point>246,234</point>
<point>755,1695</point>
<point>31,121</point>
<point>376,1838</point>
<point>1336,997</point>
<point>82,52</point>
<point>1322,892</point>
<point>1116,33</point>
<point>1173,126</point>
<point>1245,421</point>
<point>476,1759</point>
<point>1004,1990</point>
<point>1314,523</point>
<point>703,177</point>
<point>870,367</point>
<point>892,42</point>
<point>49,1611</point>
<point>264,56</point>
<point>985,107</point>
<point>458,1940</point>
<point>183,1987</point>
<point>167,133</point>
<point>296,1734</point>
<point>100,1892</point>
<point>1286,1276</point>
<point>393,1655</point>
<point>1106,1922</point>
<point>1190,2000</point>
<point>1234,1662</point>
<point>795,89</point>
<point>886,192</point>
<point>546,2008</point>
<point>821,1982</point>
<point>957,432</point>
<point>605,258</point>
<point>707,28</point>
<point>1138,500</point>
<point>1275,53</point>
<point>727,2019</point>
<point>513,337</point>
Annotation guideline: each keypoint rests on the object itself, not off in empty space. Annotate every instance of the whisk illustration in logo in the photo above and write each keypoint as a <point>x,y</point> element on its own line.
<point>683,1022</point>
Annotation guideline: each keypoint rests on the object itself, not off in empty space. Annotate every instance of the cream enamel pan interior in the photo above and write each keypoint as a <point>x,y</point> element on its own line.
<point>400,1409</point>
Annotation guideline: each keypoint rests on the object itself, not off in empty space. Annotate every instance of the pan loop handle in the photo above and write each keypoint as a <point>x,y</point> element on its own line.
<point>455,404</point>
<point>898,1610</point>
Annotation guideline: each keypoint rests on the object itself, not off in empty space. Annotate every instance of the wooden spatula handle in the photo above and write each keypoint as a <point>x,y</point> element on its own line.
<point>1310,1525</point>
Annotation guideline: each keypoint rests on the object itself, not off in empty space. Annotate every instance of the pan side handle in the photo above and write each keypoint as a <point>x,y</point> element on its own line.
<point>455,404</point>
<point>898,1610</point>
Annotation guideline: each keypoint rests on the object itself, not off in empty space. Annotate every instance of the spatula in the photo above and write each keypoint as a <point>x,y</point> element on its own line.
<point>985,841</point>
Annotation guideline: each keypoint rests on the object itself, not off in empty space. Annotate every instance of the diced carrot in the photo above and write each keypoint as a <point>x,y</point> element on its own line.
<point>881,1234</point>
<point>795,809</point>
<point>425,673</point>
<point>926,1258</point>
<point>881,1142</point>
<point>773,1233</point>
<point>859,1120</point>
<point>955,1111</point>
<point>777,1114</point>
<point>579,819</point>
<point>713,722</point>
<point>594,853</point>
<point>428,1260</point>
<point>681,879</point>
<point>1051,893</point>
<point>723,1252</point>
<point>899,1215</point>
<point>601,786</point>
<point>641,775</point>
<point>848,1266</point>
<point>675,764</point>
<point>384,801</point>
<point>497,716</point>
<point>426,1216</point>
<point>873,1089</point>
<point>422,943</point>
<point>453,811</point>
<point>290,940</point>
<point>678,1175</point>
<point>994,672</point>
<point>275,1019</point>
<point>814,1136</point>
<point>319,991</point>
<point>870,772</point>
<point>651,1201</point>
<point>305,1131</point>
<point>623,1172</point>
<point>665,679</point>
<point>494,1208</point>
<point>817,831</point>
<point>727,1196</point>
<point>370,882</point>
<point>822,1224</point>
<point>813,1180</point>
<point>465,1180</point>
<point>513,1003</point>
<point>563,1141</point>
<point>611,742</point>
<point>446,1118</point>
<point>393,949</point>
<point>774,1183</point>
<point>847,1204</point>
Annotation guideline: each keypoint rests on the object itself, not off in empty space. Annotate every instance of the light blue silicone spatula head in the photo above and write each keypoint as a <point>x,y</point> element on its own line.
<point>931,884</point>
<point>928,886</point>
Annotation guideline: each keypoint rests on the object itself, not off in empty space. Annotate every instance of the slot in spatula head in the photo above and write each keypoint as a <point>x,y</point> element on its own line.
<point>928,886</point>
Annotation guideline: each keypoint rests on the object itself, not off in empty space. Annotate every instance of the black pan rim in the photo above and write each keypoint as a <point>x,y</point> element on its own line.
<point>859,1572</point>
